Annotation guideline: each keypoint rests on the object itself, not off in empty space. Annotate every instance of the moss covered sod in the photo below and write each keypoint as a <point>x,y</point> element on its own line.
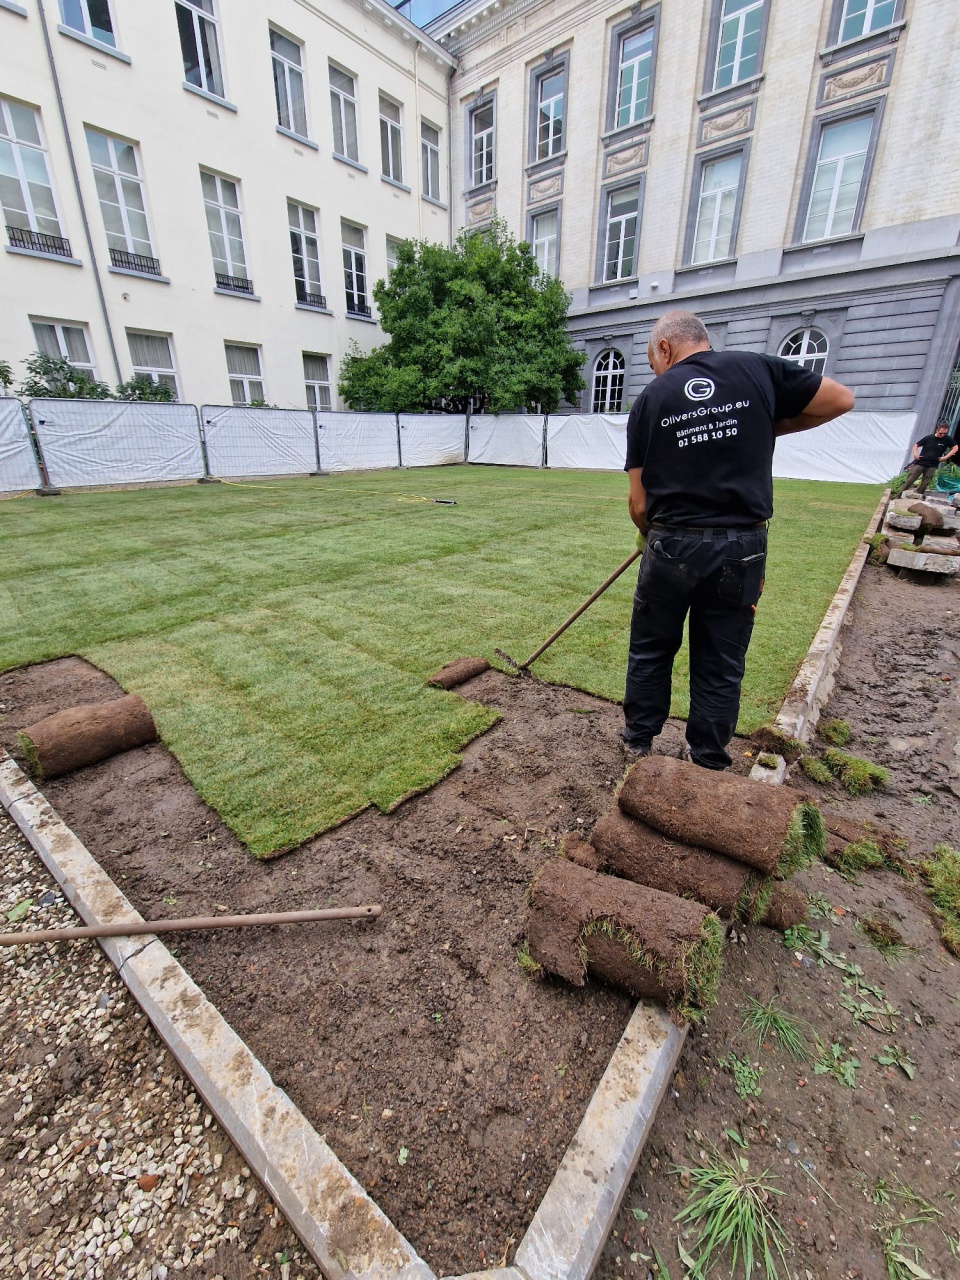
<point>280,632</point>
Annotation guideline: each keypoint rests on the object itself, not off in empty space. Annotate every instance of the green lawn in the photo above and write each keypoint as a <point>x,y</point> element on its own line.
<point>281,631</point>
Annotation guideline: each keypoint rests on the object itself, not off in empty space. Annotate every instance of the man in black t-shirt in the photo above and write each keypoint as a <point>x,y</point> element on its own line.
<point>700,444</point>
<point>928,453</point>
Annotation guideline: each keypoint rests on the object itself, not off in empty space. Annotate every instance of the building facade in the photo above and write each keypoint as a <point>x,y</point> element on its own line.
<point>205,190</point>
<point>785,170</point>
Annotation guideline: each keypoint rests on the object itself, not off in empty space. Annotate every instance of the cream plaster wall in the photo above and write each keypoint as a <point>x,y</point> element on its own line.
<point>179,132</point>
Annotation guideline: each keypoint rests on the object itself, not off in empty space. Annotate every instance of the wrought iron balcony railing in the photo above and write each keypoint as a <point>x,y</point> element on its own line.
<point>235,284</point>
<point>307,299</point>
<point>356,307</point>
<point>23,238</point>
<point>135,262</point>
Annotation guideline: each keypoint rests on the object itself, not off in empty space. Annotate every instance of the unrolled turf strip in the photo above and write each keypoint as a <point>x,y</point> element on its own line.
<point>776,830</point>
<point>630,848</point>
<point>453,673</point>
<point>84,735</point>
<point>642,941</point>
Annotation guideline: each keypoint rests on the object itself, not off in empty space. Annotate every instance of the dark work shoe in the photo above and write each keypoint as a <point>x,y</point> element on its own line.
<point>632,754</point>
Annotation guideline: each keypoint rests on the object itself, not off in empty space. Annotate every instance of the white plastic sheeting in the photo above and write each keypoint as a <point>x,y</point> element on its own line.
<point>18,463</point>
<point>248,441</point>
<point>510,440</point>
<point>587,441</point>
<point>357,441</point>
<point>867,448</point>
<point>87,442</point>
<point>431,439</point>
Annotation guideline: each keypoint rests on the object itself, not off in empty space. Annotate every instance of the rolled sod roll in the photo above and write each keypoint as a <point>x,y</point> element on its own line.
<point>776,830</point>
<point>454,673</point>
<point>627,847</point>
<point>85,735</point>
<point>644,942</point>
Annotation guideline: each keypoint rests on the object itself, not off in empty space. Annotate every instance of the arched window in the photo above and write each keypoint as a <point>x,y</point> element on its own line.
<point>807,347</point>
<point>608,376</point>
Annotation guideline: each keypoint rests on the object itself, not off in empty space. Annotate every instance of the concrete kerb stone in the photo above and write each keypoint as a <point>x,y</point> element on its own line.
<point>344,1230</point>
<point>811,687</point>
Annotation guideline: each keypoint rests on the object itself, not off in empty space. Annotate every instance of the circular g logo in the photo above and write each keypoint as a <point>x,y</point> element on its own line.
<point>699,389</point>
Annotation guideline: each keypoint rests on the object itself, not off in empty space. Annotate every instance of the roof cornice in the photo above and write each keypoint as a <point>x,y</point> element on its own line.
<point>475,20</point>
<point>406,31</point>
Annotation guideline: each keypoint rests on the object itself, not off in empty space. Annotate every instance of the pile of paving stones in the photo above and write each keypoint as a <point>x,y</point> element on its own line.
<point>110,1165</point>
<point>920,534</point>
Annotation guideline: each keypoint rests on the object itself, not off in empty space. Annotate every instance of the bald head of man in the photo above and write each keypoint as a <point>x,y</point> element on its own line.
<point>676,335</point>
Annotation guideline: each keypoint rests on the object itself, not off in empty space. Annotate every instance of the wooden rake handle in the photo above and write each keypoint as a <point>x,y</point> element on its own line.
<point>583,608</point>
<point>128,929</point>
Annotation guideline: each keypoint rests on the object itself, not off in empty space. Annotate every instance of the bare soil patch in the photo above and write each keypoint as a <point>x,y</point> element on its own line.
<point>415,1037</point>
<point>869,1146</point>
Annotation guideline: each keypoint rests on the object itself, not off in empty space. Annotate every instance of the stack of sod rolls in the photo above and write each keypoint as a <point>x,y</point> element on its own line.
<point>641,903</point>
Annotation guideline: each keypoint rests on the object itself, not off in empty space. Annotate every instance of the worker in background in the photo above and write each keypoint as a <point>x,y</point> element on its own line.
<point>928,453</point>
<point>700,442</point>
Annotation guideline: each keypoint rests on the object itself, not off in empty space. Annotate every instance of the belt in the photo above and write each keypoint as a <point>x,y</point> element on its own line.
<point>729,532</point>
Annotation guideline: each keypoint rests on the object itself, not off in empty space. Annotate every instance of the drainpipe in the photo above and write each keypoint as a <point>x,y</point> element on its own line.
<point>450,74</point>
<point>416,107</point>
<point>79,193</point>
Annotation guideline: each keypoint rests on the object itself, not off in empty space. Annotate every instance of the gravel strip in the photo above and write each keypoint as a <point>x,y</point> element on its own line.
<point>110,1165</point>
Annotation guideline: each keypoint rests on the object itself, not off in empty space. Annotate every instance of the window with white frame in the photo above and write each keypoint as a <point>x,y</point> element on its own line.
<point>635,76</point>
<point>551,94</point>
<point>354,269</point>
<point>716,209</point>
<point>26,192</point>
<point>391,142</point>
<point>623,228</point>
<point>343,104</point>
<point>152,356</point>
<point>608,377</point>
<point>860,17</point>
<point>316,377</point>
<point>200,45</point>
<point>482,142</point>
<point>738,42</point>
<point>546,241</point>
<point>305,248</point>
<point>430,159</point>
<point>246,378</point>
<point>116,171</point>
<point>221,199</point>
<point>806,347</point>
<point>837,179</point>
<point>91,18</point>
<point>287,58</point>
<point>64,341</point>
<point>392,247</point>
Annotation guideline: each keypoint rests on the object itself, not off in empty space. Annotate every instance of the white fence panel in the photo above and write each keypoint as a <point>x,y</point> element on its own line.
<point>18,462</point>
<point>432,439</point>
<point>91,442</point>
<point>510,440</point>
<point>357,441</point>
<point>860,446</point>
<point>587,441</point>
<point>254,441</point>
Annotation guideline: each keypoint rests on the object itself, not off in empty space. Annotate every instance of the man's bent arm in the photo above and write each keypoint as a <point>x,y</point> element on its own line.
<point>637,499</point>
<point>832,399</point>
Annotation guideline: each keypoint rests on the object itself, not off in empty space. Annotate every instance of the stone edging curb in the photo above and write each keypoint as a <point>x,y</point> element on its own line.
<point>342,1228</point>
<point>811,686</point>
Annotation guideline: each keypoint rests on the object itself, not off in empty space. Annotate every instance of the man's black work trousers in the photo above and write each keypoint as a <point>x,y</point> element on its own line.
<point>717,576</point>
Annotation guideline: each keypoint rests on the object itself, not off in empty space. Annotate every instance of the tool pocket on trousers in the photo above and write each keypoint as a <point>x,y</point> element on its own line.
<point>662,573</point>
<point>741,582</point>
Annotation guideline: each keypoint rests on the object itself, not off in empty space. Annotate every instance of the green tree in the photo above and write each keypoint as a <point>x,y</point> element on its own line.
<point>6,377</point>
<point>56,377</point>
<point>142,387</point>
<point>478,319</point>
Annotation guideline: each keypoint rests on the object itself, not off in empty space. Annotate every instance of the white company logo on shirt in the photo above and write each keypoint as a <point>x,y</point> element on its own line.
<point>699,389</point>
